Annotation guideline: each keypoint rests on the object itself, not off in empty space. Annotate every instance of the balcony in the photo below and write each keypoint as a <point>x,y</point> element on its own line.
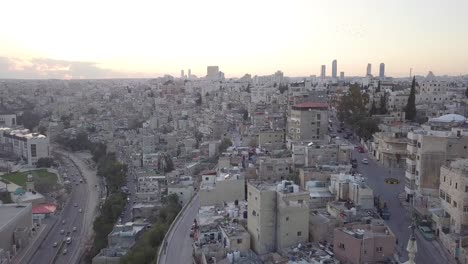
<point>411,149</point>
<point>410,176</point>
<point>410,162</point>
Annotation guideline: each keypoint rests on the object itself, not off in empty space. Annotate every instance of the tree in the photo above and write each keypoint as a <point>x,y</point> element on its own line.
<point>378,88</point>
<point>282,88</point>
<point>44,163</point>
<point>245,114</point>
<point>373,109</point>
<point>42,130</point>
<point>29,120</point>
<point>225,143</point>
<point>410,109</point>
<point>383,104</point>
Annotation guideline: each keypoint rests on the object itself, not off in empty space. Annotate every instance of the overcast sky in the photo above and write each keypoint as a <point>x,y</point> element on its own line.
<point>102,39</point>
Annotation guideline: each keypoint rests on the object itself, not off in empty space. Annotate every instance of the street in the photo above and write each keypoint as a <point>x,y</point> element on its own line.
<point>400,219</point>
<point>179,244</point>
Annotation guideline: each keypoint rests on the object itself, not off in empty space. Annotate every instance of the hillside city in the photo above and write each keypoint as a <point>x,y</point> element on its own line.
<point>322,169</point>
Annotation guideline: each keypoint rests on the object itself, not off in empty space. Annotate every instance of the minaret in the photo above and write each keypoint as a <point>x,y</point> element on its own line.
<point>412,247</point>
<point>30,183</point>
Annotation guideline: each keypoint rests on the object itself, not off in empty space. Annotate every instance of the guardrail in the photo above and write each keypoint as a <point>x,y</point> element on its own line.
<point>171,227</point>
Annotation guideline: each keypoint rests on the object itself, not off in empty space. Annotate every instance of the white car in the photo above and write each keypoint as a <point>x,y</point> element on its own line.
<point>80,210</point>
<point>74,229</point>
<point>55,244</point>
<point>365,161</point>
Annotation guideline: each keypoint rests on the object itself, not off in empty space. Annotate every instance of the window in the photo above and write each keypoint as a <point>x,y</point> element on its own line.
<point>287,218</point>
<point>419,144</point>
<point>342,246</point>
<point>378,249</point>
<point>33,150</point>
<point>239,241</point>
<point>254,213</point>
<point>455,204</point>
<point>250,193</point>
<point>456,185</point>
<point>300,201</point>
<point>466,188</point>
<point>299,233</point>
<point>465,209</point>
<point>448,198</point>
<point>206,178</point>
<point>318,116</point>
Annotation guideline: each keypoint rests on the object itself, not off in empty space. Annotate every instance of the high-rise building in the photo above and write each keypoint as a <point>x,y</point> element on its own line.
<point>212,72</point>
<point>334,69</point>
<point>322,73</point>
<point>341,76</point>
<point>278,215</point>
<point>382,71</point>
<point>369,69</point>
<point>189,74</point>
<point>182,75</point>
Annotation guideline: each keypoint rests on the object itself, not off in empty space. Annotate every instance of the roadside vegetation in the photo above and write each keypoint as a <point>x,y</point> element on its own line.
<point>146,248</point>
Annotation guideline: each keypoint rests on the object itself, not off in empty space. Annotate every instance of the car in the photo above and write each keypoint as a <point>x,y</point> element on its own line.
<point>74,229</point>
<point>426,232</point>
<point>80,210</point>
<point>62,232</point>
<point>55,244</point>
<point>360,149</point>
<point>68,240</point>
<point>63,222</point>
<point>365,161</point>
<point>65,251</point>
<point>76,205</point>
<point>333,135</point>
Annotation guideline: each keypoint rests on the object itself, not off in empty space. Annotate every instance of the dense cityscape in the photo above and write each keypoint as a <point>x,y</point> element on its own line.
<point>257,169</point>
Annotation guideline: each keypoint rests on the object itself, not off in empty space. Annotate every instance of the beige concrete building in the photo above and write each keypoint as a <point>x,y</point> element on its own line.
<point>390,149</point>
<point>218,189</point>
<point>320,154</point>
<point>15,227</point>
<point>308,121</point>
<point>273,169</point>
<point>271,138</point>
<point>370,243</point>
<point>452,223</point>
<point>353,188</point>
<point>428,150</point>
<point>278,216</point>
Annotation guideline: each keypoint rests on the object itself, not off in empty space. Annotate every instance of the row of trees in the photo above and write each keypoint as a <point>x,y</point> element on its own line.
<point>115,173</point>
<point>146,248</point>
<point>352,111</point>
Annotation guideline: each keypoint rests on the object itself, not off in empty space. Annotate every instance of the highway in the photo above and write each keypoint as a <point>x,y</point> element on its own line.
<point>69,218</point>
<point>179,243</point>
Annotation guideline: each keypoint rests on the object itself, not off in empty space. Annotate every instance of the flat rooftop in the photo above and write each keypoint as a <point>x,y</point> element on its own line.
<point>9,213</point>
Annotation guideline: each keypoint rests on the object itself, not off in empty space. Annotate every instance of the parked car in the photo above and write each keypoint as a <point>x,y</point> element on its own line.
<point>55,244</point>
<point>360,149</point>
<point>365,161</point>
<point>62,232</point>
<point>74,229</point>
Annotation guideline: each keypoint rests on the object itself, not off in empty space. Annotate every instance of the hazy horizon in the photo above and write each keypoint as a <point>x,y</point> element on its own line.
<point>143,39</point>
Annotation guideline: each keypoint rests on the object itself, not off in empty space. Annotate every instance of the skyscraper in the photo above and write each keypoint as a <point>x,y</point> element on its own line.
<point>189,74</point>
<point>341,76</point>
<point>212,72</point>
<point>382,71</point>
<point>182,74</point>
<point>369,69</point>
<point>322,73</point>
<point>334,69</point>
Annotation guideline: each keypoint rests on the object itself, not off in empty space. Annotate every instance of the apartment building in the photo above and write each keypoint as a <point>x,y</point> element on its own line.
<point>272,138</point>
<point>278,216</point>
<point>308,121</point>
<point>428,150</point>
<point>219,188</point>
<point>390,149</point>
<point>7,120</point>
<point>320,154</point>
<point>352,188</point>
<point>24,144</point>
<point>369,243</point>
<point>452,223</point>
<point>273,169</point>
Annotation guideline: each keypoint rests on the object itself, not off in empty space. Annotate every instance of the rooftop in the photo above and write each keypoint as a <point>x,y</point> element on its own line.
<point>9,213</point>
<point>311,105</point>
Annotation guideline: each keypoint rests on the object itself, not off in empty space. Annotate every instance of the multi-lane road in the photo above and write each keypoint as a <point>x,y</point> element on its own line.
<point>74,220</point>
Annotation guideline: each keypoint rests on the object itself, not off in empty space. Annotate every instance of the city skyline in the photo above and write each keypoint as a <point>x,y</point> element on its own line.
<point>99,40</point>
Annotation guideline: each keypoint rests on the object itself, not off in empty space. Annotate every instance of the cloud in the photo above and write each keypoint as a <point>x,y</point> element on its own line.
<point>45,68</point>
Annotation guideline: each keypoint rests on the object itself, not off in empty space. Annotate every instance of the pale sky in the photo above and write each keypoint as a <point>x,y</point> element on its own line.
<point>100,38</point>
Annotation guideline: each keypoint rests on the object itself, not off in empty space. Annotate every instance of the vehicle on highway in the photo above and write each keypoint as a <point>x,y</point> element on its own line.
<point>80,210</point>
<point>365,161</point>
<point>68,240</point>
<point>76,205</point>
<point>65,251</point>
<point>63,222</point>
<point>62,232</point>
<point>81,180</point>
<point>55,244</point>
<point>74,229</point>
<point>360,149</point>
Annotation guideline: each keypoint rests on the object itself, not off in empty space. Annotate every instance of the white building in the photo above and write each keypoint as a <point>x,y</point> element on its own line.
<point>28,146</point>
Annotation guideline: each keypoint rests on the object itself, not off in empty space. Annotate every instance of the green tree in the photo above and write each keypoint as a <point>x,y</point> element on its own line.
<point>373,109</point>
<point>383,104</point>
<point>29,120</point>
<point>225,143</point>
<point>44,163</point>
<point>42,130</point>
<point>410,109</point>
